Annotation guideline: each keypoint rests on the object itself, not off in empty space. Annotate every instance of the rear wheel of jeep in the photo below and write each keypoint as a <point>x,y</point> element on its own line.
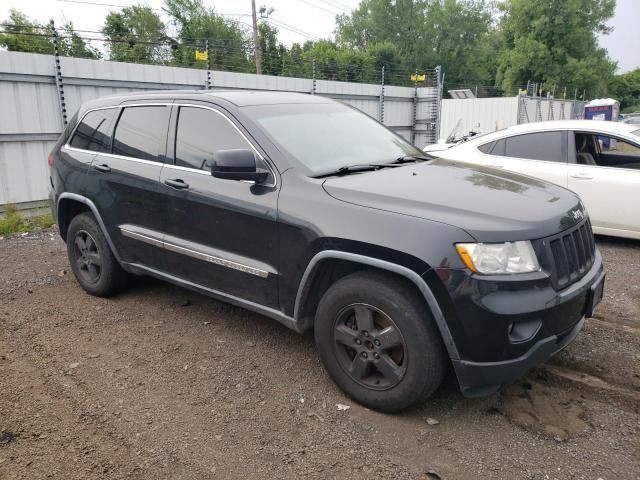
<point>91,259</point>
<point>378,341</point>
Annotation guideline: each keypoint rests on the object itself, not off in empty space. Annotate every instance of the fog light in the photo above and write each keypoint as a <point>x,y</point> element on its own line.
<point>520,332</point>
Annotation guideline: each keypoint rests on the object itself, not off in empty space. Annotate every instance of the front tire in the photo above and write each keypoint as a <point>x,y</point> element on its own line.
<point>94,265</point>
<point>378,341</point>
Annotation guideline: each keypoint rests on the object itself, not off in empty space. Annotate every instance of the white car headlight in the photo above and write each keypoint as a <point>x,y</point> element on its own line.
<point>499,258</point>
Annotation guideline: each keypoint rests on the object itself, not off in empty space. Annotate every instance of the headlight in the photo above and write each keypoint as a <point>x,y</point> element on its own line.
<point>499,258</point>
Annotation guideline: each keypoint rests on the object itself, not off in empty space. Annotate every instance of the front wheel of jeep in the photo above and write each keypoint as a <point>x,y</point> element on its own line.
<point>378,341</point>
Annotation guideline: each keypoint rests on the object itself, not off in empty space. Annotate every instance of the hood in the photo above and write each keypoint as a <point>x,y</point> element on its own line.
<point>491,205</point>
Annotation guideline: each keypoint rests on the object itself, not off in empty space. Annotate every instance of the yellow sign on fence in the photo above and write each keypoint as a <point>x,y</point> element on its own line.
<point>418,78</point>
<point>201,55</point>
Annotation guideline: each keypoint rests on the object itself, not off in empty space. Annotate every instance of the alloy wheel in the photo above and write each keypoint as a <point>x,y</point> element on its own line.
<point>370,346</point>
<point>87,257</point>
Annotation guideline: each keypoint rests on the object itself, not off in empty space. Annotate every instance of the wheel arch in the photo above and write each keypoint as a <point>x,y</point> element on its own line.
<point>337,264</point>
<point>71,204</point>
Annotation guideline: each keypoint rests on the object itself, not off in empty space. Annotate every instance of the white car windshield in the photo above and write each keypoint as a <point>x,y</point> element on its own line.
<point>329,136</point>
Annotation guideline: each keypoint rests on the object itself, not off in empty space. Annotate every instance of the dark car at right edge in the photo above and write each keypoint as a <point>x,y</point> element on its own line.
<point>312,213</point>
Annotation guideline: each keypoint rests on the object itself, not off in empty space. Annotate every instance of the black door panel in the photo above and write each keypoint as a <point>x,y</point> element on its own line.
<point>125,188</point>
<point>233,221</point>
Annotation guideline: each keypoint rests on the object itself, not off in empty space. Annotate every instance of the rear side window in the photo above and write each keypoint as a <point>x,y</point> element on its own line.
<point>201,133</point>
<point>547,146</point>
<point>486,148</point>
<point>139,132</point>
<point>93,131</point>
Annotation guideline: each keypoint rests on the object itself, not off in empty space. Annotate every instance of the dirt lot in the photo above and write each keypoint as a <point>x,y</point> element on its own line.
<point>146,386</point>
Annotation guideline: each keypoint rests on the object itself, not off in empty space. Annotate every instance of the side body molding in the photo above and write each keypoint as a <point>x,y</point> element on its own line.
<point>417,280</point>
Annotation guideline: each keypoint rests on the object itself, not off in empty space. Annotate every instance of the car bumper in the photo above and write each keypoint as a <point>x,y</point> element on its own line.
<point>555,323</point>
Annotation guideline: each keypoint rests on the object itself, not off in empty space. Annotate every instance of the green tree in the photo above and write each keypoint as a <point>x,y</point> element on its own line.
<point>23,35</point>
<point>273,53</point>
<point>136,34</point>
<point>555,43</point>
<point>293,64</point>
<point>426,33</point>
<point>626,89</point>
<point>343,64</point>
<point>195,23</point>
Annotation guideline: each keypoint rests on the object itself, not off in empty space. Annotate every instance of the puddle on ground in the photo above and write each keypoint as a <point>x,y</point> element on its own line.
<point>538,408</point>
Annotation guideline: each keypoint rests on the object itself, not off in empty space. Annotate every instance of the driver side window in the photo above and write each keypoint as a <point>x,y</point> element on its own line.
<point>202,132</point>
<point>606,151</point>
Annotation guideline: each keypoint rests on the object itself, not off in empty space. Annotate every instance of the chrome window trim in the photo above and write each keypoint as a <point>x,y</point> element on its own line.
<point>271,167</point>
<point>268,162</point>
<point>68,146</point>
<point>172,247</point>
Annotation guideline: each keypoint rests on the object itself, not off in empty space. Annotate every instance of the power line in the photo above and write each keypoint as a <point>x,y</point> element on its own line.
<point>336,5</point>
<point>100,4</point>
<point>319,7</point>
<point>291,28</point>
<point>344,5</point>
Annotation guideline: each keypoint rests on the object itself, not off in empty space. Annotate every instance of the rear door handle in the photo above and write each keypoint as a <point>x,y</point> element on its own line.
<point>103,168</point>
<point>177,183</point>
<point>582,176</point>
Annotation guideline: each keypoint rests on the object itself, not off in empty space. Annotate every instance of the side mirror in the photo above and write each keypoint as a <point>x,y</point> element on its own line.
<point>237,165</point>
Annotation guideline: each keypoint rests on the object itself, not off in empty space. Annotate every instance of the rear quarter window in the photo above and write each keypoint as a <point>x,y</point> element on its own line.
<point>93,131</point>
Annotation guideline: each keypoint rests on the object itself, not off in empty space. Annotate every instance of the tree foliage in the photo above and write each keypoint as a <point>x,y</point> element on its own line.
<point>23,35</point>
<point>451,33</point>
<point>195,23</point>
<point>555,43</point>
<point>626,89</point>
<point>477,42</point>
<point>136,34</point>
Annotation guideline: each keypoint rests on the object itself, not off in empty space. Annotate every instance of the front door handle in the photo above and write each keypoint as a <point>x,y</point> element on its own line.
<point>582,176</point>
<point>496,165</point>
<point>177,183</point>
<point>103,168</point>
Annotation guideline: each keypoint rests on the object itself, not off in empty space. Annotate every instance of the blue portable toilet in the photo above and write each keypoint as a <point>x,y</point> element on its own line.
<point>602,109</point>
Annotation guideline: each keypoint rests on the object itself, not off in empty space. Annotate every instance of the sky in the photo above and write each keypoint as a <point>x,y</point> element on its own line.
<point>300,20</point>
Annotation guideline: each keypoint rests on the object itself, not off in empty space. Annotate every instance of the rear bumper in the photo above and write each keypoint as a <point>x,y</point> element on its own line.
<point>550,321</point>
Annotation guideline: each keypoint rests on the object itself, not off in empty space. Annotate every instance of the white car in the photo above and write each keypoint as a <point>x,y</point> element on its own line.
<point>598,160</point>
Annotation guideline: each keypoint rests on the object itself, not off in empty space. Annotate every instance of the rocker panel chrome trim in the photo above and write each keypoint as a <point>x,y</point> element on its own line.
<point>216,260</point>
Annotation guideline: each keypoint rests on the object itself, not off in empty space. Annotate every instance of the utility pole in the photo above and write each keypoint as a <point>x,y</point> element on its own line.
<point>256,45</point>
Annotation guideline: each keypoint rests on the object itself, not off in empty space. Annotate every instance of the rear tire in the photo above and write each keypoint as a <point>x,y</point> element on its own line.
<point>378,341</point>
<point>92,261</point>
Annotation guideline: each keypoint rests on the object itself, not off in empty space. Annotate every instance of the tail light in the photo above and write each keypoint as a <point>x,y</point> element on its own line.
<point>50,159</point>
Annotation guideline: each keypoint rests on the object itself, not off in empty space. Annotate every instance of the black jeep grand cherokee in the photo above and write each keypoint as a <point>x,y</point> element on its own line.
<point>308,211</point>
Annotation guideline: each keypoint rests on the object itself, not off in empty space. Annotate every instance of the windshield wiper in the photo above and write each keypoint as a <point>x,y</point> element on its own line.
<point>360,167</point>
<point>413,158</point>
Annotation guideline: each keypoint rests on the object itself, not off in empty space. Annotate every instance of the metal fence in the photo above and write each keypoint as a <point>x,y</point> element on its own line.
<point>459,116</point>
<point>38,91</point>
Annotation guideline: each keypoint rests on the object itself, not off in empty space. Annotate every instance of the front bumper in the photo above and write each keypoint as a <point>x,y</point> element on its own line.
<point>477,379</point>
<point>554,320</point>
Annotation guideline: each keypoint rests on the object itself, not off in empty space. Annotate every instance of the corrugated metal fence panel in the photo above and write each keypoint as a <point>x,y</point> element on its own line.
<point>542,109</point>
<point>490,114</point>
<point>30,105</point>
<point>23,171</point>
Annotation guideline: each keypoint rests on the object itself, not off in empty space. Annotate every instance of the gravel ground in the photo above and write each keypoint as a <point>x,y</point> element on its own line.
<point>140,386</point>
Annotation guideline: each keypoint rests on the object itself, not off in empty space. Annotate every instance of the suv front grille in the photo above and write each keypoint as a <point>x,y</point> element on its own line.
<point>569,255</point>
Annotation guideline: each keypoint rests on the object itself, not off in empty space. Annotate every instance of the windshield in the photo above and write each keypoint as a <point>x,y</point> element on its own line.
<point>326,137</point>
